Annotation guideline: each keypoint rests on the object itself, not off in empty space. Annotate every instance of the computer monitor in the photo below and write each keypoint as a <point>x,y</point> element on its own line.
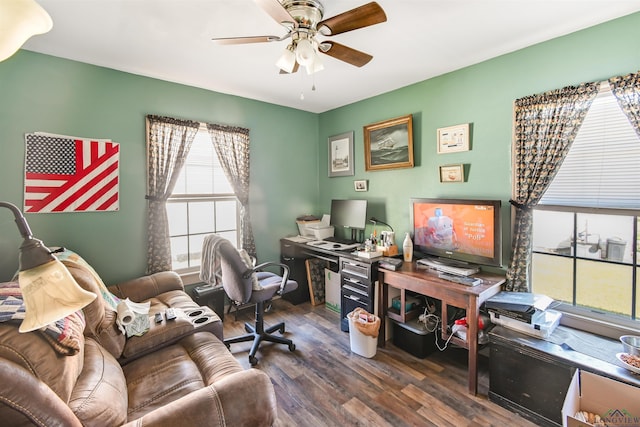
<point>349,214</point>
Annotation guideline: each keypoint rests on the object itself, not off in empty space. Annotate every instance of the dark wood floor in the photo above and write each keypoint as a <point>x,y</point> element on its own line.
<point>323,383</point>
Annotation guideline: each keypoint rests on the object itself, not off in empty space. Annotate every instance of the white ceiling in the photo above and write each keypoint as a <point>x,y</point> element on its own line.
<point>171,40</point>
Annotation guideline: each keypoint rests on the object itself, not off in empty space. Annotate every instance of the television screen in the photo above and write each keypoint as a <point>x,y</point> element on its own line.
<point>462,230</point>
<point>349,213</point>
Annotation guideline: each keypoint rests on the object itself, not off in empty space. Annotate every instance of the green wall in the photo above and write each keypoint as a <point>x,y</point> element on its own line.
<point>289,147</point>
<point>483,96</point>
<point>43,93</point>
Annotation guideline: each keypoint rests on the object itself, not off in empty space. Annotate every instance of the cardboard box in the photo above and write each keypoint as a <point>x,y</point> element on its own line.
<point>332,290</point>
<point>618,404</point>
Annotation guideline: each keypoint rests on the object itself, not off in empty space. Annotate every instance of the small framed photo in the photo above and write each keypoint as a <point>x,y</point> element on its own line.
<point>341,155</point>
<point>389,144</point>
<point>453,139</point>
<point>452,173</point>
<point>361,185</point>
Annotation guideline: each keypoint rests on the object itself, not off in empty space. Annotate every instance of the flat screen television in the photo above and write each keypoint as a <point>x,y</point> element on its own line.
<point>349,214</point>
<point>458,229</point>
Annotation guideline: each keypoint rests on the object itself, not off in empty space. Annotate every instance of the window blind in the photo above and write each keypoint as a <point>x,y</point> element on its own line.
<point>602,168</point>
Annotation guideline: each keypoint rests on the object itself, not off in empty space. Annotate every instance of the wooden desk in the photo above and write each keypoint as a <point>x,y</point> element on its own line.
<point>426,282</point>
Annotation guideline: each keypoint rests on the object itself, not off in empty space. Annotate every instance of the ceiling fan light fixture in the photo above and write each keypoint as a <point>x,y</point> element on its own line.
<point>315,66</point>
<point>305,52</point>
<point>287,60</point>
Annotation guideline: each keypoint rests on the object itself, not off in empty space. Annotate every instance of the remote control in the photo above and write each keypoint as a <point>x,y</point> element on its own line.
<point>158,317</point>
<point>463,280</point>
<point>170,314</point>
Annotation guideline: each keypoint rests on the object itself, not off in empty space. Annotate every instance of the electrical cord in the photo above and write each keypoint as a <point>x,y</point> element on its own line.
<point>446,343</point>
<point>426,319</point>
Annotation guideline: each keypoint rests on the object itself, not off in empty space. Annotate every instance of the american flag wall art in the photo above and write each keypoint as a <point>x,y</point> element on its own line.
<point>68,174</point>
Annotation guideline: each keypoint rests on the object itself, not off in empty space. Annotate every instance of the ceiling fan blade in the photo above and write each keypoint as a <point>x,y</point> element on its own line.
<point>363,16</point>
<point>245,40</point>
<point>345,53</point>
<point>275,9</point>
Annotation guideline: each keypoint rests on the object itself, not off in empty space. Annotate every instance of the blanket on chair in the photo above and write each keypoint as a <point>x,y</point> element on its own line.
<point>210,271</point>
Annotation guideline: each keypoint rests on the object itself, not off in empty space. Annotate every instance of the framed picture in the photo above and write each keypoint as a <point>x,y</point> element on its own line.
<point>360,185</point>
<point>389,144</point>
<point>452,173</point>
<point>453,139</point>
<point>341,154</point>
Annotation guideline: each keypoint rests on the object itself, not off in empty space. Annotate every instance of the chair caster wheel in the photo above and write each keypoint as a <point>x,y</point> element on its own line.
<point>253,360</point>
<point>281,329</point>
<point>292,347</point>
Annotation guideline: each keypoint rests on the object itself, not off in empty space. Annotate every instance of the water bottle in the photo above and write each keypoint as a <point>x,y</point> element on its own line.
<point>407,248</point>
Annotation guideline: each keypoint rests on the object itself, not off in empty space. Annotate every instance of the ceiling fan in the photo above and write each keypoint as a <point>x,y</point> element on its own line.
<point>303,21</point>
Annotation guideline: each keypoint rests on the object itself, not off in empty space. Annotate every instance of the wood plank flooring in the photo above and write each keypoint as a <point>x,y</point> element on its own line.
<point>323,383</point>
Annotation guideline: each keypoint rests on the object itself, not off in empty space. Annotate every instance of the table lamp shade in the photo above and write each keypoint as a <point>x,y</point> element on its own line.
<point>50,293</point>
<point>19,20</point>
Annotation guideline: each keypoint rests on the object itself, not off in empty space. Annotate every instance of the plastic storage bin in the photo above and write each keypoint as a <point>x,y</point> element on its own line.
<point>413,338</point>
<point>361,344</point>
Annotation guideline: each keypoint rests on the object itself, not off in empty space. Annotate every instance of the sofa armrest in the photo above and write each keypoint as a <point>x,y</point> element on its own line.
<point>168,332</point>
<point>146,287</point>
<point>25,400</point>
<point>245,398</point>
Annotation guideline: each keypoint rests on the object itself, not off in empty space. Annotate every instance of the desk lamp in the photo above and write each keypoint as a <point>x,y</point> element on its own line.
<point>375,220</point>
<point>48,290</point>
<point>388,247</point>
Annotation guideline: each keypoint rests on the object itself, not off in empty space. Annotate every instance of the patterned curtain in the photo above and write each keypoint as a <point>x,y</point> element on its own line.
<point>545,126</point>
<point>232,146</point>
<point>168,143</point>
<point>627,91</point>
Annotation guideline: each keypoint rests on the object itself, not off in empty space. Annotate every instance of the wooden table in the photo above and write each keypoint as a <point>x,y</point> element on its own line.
<point>424,281</point>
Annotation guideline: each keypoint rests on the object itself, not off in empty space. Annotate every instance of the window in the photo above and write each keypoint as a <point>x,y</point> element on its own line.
<point>585,229</point>
<point>202,203</point>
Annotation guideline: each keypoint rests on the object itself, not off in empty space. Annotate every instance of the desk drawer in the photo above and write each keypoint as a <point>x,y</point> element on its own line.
<point>355,268</point>
<point>289,250</point>
<point>350,290</point>
<point>356,283</point>
<point>350,300</point>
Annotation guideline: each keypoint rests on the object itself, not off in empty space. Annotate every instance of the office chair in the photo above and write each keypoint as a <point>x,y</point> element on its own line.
<point>244,284</point>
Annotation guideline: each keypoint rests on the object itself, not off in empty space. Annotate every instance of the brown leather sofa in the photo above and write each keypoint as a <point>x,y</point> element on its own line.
<point>179,373</point>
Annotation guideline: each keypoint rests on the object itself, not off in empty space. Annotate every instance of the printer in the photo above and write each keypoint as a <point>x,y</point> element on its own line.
<point>321,230</point>
<point>318,229</point>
